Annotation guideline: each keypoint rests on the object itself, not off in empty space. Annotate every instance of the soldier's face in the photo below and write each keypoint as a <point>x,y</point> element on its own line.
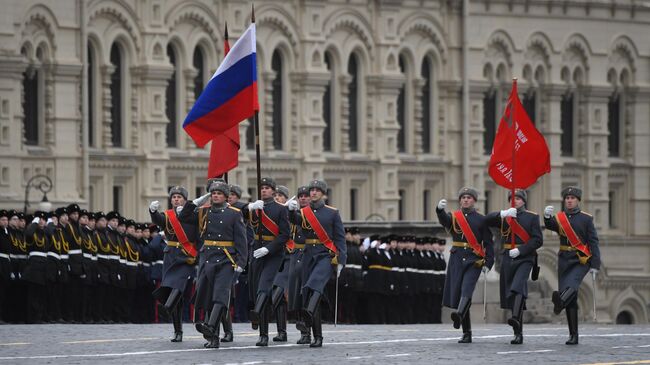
<point>63,219</point>
<point>232,198</point>
<point>4,222</point>
<point>101,223</point>
<point>467,201</point>
<point>315,194</point>
<point>22,224</point>
<point>138,233</point>
<point>113,223</point>
<point>570,202</point>
<point>92,223</point>
<point>267,192</point>
<point>519,202</point>
<point>121,228</point>
<point>177,200</point>
<point>303,200</point>
<point>280,198</point>
<point>146,234</point>
<point>13,222</point>
<point>42,222</point>
<point>218,197</point>
<point>429,246</point>
<point>74,216</point>
<point>83,220</point>
<point>130,230</point>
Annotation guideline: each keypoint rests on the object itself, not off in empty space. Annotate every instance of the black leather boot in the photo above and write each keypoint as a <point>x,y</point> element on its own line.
<point>177,320</point>
<point>572,319</point>
<point>264,326</point>
<point>467,330</point>
<point>317,329</point>
<point>172,301</point>
<point>562,300</point>
<point>459,314</point>
<point>281,320</point>
<point>226,321</point>
<point>516,320</point>
<point>210,330</point>
<point>277,296</point>
<point>305,332</point>
<point>260,304</point>
<point>312,306</point>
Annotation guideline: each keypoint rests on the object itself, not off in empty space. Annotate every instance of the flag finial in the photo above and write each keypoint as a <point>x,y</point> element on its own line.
<point>225,33</point>
<point>252,13</point>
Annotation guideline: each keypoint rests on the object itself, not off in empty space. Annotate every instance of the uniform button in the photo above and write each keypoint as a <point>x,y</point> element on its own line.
<point>209,221</point>
<point>222,210</point>
<point>220,221</point>
<point>219,235</point>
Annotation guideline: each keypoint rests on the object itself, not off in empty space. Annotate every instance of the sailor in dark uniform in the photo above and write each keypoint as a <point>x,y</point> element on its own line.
<point>295,271</point>
<point>179,263</point>
<point>472,252</point>
<point>324,246</point>
<point>272,227</point>
<point>579,254</point>
<point>517,260</point>
<point>224,252</point>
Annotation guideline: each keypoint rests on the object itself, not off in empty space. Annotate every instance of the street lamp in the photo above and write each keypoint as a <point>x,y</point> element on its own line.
<point>42,183</point>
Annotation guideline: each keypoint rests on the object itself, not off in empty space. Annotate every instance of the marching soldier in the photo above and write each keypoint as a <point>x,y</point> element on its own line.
<point>36,269</point>
<point>518,258</point>
<point>281,280</point>
<point>180,254</point>
<point>271,220</point>
<point>325,245</point>
<point>579,254</point>
<point>295,271</point>
<point>472,253</point>
<point>224,252</point>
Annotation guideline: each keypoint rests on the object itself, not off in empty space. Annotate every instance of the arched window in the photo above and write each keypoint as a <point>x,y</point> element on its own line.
<point>426,106</point>
<point>489,120</point>
<point>171,96</point>
<point>116,96</point>
<point>530,99</point>
<point>566,123</point>
<point>198,62</point>
<point>31,103</point>
<point>276,65</point>
<point>327,106</point>
<point>401,109</point>
<point>353,115</point>
<point>250,134</point>
<point>92,84</point>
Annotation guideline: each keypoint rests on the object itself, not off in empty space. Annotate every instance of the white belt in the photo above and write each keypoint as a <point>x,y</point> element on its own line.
<point>19,257</point>
<point>408,269</point>
<point>94,258</point>
<point>122,261</point>
<point>37,253</point>
<point>113,257</point>
<point>4,255</point>
<point>64,257</point>
<point>146,264</point>
<point>55,255</point>
<point>131,263</point>
<point>439,272</point>
<point>353,266</point>
<point>159,262</point>
<point>88,255</point>
<point>397,269</point>
<point>105,257</point>
<point>74,252</point>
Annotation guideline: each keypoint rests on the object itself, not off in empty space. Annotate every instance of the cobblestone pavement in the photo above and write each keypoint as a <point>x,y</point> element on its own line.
<point>345,344</point>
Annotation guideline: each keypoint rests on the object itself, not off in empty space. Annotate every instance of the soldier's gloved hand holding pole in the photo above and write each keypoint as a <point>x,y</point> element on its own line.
<point>548,211</point>
<point>201,200</point>
<point>258,204</point>
<point>442,204</point>
<point>292,204</point>
<point>153,207</point>
<point>510,212</point>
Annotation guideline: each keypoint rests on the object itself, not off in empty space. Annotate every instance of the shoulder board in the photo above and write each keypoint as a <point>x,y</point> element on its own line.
<point>331,207</point>
<point>235,209</point>
<point>585,213</point>
<point>531,212</point>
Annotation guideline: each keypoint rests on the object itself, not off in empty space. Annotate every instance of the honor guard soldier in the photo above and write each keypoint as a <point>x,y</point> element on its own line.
<point>36,269</point>
<point>59,231</point>
<point>118,270</point>
<point>16,295</point>
<point>281,280</point>
<point>579,254</point>
<point>179,254</point>
<point>104,297</point>
<point>440,273</point>
<point>89,266</point>
<point>324,246</point>
<point>5,261</point>
<point>472,252</point>
<point>351,277</point>
<point>518,258</point>
<point>271,223</point>
<point>295,270</point>
<point>224,252</point>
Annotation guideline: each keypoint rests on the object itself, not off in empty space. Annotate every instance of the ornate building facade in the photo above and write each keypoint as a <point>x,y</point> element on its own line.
<point>367,94</point>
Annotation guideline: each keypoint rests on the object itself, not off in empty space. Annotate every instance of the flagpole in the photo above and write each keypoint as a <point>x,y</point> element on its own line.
<point>514,143</point>
<point>256,126</point>
<point>226,50</point>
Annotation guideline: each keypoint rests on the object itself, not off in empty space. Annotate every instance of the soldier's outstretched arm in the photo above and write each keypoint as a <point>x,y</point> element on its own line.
<point>157,218</point>
<point>493,219</point>
<point>443,217</point>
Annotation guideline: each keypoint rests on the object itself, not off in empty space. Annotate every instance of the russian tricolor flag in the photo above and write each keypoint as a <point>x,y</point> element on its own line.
<point>231,93</point>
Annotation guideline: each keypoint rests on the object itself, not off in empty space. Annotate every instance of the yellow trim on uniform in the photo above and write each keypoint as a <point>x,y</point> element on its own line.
<point>174,244</point>
<point>219,243</point>
<point>380,267</point>
<point>461,245</point>
<point>265,237</point>
<point>300,246</point>
<point>567,248</point>
<point>313,241</point>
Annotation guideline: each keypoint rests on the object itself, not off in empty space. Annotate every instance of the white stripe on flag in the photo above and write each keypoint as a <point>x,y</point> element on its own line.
<point>244,46</point>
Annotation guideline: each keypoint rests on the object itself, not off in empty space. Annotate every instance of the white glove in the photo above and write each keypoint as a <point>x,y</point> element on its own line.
<point>119,277</point>
<point>12,276</point>
<point>260,252</point>
<point>153,207</point>
<point>36,220</point>
<point>49,220</point>
<point>258,204</point>
<point>548,211</point>
<point>442,204</point>
<point>179,209</point>
<point>510,212</point>
<point>201,200</point>
<point>239,269</point>
<point>485,269</point>
<point>366,243</point>
<point>292,204</point>
<point>593,271</point>
<point>382,246</point>
<point>339,268</point>
<point>514,253</point>
<point>82,276</point>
